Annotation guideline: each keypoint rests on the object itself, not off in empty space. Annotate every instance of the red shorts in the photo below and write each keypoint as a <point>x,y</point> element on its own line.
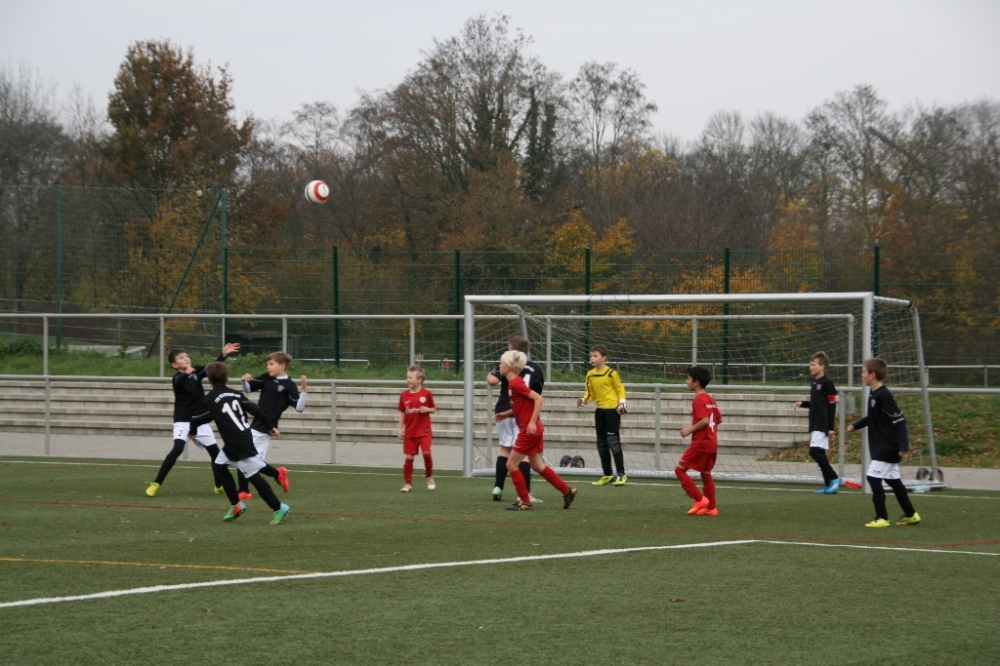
<point>697,459</point>
<point>412,444</point>
<point>529,445</point>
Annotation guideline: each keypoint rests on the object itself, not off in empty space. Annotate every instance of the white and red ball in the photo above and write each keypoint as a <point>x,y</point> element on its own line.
<point>317,192</point>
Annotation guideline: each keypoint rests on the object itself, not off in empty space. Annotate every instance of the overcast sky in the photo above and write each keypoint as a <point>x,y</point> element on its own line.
<point>696,57</point>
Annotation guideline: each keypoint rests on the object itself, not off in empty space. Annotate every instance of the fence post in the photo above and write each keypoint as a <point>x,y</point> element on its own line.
<point>59,264</point>
<point>458,310</point>
<point>694,340</point>
<point>725,322</point>
<point>656,427</point>
<point>225,262</point>
<point>333,423</point>
<point>48,382</point>
<point>163,342</point>
<point>336,305</point>
<point>586,306</point>
<point>284,334</point>
<point>413,340</point>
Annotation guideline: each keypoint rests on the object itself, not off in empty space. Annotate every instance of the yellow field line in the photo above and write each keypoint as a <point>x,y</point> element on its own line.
<point>213,567</point>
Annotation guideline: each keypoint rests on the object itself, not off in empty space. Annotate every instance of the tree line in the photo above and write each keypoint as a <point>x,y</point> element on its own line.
<point>482,147</point>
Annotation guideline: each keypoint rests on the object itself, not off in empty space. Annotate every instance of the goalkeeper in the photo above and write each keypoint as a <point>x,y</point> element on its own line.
<point>605,388</point>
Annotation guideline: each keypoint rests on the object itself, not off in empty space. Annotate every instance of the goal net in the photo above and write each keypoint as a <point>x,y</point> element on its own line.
<point>757,347</point>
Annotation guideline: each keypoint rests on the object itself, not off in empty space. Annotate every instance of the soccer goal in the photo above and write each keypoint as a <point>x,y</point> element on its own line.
<point>757,347</point>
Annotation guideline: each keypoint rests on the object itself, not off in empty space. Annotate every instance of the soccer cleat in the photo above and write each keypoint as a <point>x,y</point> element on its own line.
<point>280,514</point>
<point>603,481</point>
<point>821,491</point>
<point>219,490</point>
<point>283,478</point>
<point>244,495</point>
<point>520,506</point>
<point>235,511</point>
<point>430,484</point>
<point>853,485</point>
<point>534,500</point>
<point>832,488</point>
<point>153,487</point>
<point>569,497</point>
<point>708,512</point>
<point>698,506</point>
<point>620,480</point>
<point>909,520</point>
<point>406,488</point>
<point>497,493</point>
<point>878,522</point>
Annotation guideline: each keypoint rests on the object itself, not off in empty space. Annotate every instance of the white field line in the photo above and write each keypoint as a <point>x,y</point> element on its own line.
<point>448,565</point>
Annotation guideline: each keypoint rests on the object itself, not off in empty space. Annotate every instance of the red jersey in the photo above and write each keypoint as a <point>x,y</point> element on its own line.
<point>703,406</point>
<point>417,424</point>
<point>522,406</point>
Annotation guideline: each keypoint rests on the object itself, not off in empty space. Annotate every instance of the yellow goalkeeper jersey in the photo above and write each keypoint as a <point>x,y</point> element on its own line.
<point>604,387</point>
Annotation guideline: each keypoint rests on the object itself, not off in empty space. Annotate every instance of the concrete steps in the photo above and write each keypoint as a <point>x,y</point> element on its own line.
<point>753,424</point>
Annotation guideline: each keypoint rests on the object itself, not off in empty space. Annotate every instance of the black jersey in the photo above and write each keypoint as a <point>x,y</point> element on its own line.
<point>532,376</point>
<point>822,405</point>
<point>276,395</point>
<point>189,392</point>
<point>228,408</point>
<point>887,433</point>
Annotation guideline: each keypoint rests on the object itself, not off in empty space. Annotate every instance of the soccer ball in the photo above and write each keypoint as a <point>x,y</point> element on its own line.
<point>317,192</point>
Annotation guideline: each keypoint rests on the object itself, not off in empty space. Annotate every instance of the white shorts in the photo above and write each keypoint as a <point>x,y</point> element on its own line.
<point>249,466</point>
<point>261,440</point>
<point>204,436</point>
<point>819,439</point>
<point>883,470</point>
<point>507,432</point>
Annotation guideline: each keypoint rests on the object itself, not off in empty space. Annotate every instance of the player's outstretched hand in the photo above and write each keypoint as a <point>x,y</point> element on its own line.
<point>230,348</point>
<point>850,428</point>
<point>274,432</point>
<point>303,383</point>
<point>796,405</point>
<point>246,378</point>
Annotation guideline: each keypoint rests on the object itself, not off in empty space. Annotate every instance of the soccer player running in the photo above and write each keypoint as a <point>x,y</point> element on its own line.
<point>504,419</point>
<point>822,406</point>
<point>701,454</point>
<point>530,442</point>
<point>277,393</point>
<point>228,408</point>
<point>188,393</point>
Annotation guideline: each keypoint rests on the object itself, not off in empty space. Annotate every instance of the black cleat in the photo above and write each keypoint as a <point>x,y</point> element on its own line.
<point>569,497</point>
<point>520,506</point>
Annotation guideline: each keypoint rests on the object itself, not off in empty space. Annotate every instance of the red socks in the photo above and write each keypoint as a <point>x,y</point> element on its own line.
<point>522,489</point>
<point>408,471</point>
<point>708,483</point>
<point>688,485</point>
<point>428,466</point>
<point>550,475</point>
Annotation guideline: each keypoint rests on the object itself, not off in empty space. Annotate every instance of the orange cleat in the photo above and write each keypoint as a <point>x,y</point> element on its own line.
<point>698,506</point>
<point>708,512</point>
<point>244,495</point>
<point>283,478</point>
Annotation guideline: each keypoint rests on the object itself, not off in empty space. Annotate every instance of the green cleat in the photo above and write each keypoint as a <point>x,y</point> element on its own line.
<point>151,491</point>
<point>603,481</point>
<point>909,520</point>
<point>621,480</point>
<point>235,511</point>
<point>219,490</point>
<point>280,514</point>
<point>497,493</point>
<point>878,522</point>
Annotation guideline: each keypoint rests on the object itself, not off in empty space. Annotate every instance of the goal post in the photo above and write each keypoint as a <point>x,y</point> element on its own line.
<point>757,346</point>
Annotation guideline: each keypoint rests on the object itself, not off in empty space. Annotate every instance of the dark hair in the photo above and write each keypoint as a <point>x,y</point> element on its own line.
<point>174,353</point>
<point>519,343</point>
<point>877,367</point>
<point>700,374</point>
<point>600,349</point>
<point>217,373</point>
<point>822,358</point>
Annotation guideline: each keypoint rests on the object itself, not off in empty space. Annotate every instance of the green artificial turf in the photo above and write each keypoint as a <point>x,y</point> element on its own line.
<point>909,595</point>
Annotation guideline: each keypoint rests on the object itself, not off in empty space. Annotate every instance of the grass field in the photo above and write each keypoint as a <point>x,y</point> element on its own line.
<point>362,574</point>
